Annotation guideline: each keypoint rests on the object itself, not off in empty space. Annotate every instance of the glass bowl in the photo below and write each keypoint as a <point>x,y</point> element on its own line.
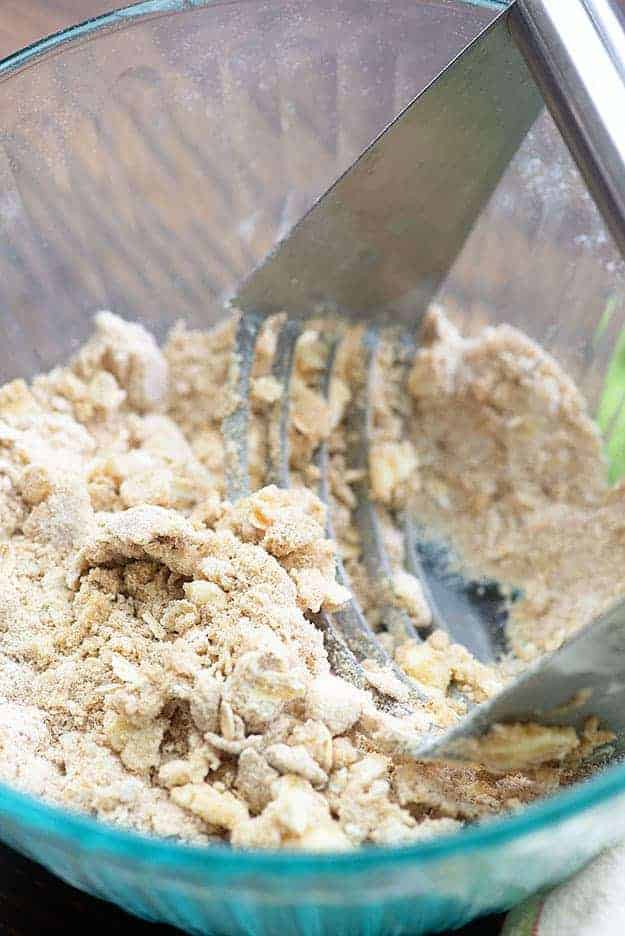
<point>147,160</point>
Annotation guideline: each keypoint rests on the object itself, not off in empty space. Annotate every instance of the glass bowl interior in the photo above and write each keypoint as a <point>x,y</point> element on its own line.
<point>95,835</point>
<point>150,158</point>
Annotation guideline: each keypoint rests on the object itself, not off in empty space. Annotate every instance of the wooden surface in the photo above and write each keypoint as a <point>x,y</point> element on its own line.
<point>25,21</point>
<point>31,900</point>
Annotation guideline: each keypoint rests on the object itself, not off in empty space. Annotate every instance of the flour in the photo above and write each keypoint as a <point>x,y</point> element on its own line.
<point>159,667</point>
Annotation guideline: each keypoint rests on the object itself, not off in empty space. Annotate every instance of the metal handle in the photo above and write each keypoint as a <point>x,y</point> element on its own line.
<point>575,50</point>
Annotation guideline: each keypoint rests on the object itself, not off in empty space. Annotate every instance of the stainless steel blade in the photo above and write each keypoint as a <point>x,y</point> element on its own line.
<point>388,230</point>
<point>585,677</point>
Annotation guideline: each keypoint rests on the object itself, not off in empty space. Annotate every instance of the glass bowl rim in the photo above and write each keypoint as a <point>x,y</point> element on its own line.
<point>98,835</point>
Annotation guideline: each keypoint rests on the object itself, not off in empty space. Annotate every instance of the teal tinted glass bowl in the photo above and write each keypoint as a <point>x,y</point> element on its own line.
<point>147,160</point>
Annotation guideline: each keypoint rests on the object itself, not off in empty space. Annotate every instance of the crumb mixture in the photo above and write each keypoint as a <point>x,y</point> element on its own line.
<point>160,666</point>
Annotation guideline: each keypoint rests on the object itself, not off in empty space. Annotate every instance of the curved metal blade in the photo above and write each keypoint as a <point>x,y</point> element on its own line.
<point>391,226</point>
<point>584,678</point>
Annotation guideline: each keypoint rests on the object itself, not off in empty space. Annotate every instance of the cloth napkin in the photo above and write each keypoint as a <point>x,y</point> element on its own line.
<point>590,904</point>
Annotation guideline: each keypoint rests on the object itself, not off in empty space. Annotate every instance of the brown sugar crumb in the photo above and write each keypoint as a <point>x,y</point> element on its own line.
<point>159,664</point>
<point>437,663</point>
